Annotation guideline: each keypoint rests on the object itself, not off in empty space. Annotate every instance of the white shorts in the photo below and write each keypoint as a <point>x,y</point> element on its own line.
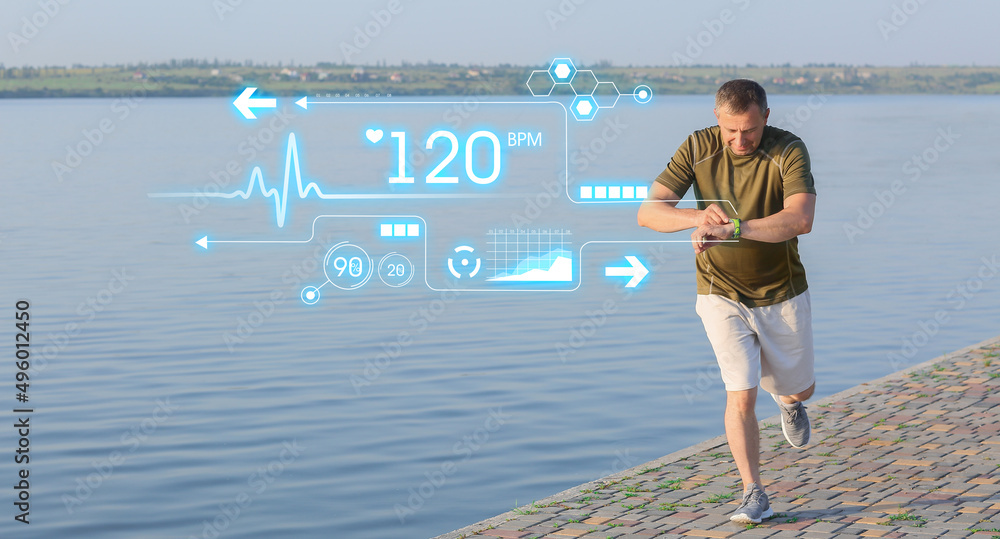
<point>770,345</point>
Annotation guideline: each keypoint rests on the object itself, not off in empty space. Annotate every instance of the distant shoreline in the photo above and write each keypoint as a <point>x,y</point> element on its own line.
<point>153,95</point>
<point>208,80</point>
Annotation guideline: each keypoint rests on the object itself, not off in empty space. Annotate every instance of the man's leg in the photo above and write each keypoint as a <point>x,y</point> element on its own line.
<point>787,362</point>
<point>743,434</point>
<point>744,442</point>
<point>738,352</point>
<point>794,419</point>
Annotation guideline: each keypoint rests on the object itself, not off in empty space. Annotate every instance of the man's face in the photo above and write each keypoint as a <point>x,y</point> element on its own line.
<point>742,131</point>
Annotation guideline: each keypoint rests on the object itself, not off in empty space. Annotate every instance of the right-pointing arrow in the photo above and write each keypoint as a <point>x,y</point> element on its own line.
<point>636,271</point>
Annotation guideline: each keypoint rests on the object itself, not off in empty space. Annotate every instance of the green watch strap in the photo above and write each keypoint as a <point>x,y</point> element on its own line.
<point>736,228</point>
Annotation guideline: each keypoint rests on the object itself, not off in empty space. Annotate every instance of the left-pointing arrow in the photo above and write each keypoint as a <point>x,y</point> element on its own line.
<point>244,103</point>
<point>203,242</point>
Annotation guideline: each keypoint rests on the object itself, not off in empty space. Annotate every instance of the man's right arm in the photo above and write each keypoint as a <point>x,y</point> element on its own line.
<point>660,212</point>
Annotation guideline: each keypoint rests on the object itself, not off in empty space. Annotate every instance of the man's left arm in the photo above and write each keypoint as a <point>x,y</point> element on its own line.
<point>795,218</point>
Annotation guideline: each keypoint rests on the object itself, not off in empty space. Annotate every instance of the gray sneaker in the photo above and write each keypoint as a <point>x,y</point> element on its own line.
<point>754,508</point>
<point>794,422</point>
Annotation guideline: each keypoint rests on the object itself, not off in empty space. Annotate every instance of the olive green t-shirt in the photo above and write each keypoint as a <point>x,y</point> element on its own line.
<point>751,272</point>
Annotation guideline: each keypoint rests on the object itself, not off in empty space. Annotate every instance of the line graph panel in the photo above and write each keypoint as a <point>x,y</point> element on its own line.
<point>522,255</point>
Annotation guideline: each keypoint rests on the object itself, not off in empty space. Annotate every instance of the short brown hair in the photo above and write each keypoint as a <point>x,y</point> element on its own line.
<point>738,95</point>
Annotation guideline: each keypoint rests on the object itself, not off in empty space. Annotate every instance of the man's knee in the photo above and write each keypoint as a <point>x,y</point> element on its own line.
<point>742,402</point>
<point>804,395</point>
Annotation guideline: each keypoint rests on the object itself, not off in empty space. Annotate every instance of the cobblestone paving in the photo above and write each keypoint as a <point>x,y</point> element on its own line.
<point>915,454</point>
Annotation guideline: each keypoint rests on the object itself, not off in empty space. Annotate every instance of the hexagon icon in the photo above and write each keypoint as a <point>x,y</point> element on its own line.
<point>540,83</point>
<point>584,82</point>
<point>606,94</point>
<point>584,108</point>
<point>562,70</point>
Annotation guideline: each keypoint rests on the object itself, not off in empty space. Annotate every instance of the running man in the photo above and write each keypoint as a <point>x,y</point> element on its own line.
<point>754,185</point>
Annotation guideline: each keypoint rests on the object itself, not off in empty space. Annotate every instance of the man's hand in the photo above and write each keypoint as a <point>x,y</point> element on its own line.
<point>712,215</point>
<point>707,236</point>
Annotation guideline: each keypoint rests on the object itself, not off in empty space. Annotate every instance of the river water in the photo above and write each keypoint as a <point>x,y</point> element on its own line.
<point>180,391</point>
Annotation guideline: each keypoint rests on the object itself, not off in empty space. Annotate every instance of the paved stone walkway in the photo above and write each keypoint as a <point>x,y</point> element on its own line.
<point>914,454</point>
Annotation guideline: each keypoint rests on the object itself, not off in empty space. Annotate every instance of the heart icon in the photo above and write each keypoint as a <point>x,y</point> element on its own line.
<point>374,135</point>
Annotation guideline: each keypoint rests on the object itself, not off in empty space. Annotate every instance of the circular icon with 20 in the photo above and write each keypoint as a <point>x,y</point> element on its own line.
<point>395,270</point>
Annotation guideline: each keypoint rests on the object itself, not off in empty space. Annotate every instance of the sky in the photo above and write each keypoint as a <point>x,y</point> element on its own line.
<point>520,32</point>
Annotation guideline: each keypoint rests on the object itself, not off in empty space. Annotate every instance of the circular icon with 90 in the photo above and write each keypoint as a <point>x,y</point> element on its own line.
<point>347,266</point>
<point>395,270</point>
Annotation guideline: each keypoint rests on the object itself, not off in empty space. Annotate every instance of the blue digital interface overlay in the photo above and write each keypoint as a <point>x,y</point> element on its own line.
<point>471,194</point>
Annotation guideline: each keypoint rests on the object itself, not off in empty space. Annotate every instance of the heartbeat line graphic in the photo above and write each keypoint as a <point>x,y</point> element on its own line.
<point>281,196</point>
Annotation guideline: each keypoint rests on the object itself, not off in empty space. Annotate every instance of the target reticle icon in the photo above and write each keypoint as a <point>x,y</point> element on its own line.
<point>465,263</point>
